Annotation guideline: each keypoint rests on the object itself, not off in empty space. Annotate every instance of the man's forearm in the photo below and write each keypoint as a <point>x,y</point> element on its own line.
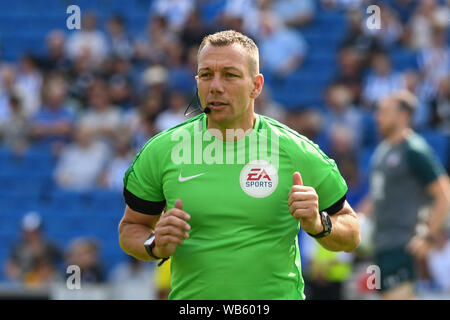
<point>132,237</point>
<point>438,215</point>
<point>345,233</point>
<point>440,191</point>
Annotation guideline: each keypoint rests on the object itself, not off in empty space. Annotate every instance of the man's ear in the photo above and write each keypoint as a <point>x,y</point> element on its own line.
<point>258,82</point>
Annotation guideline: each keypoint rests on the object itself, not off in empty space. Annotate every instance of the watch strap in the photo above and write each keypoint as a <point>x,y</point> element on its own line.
<point>326,223</point>
<point>149,249</point>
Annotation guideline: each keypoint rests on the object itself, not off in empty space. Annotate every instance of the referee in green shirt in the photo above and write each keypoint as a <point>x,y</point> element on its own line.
<point>225,193</point>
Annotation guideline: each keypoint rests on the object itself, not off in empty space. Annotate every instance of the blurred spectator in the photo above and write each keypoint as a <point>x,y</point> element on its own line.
<point>391,32</point>
<point>381,81</point>
<point>266,106</point>
<point>341,112</point>
<point>344,150</point>
<point>112,177</point>
<point>121,92</point>
<point>152,46</point>
<point>282,50</point>
<point>439,263</point>
<point>440,107</point>
<point>119,42</point>
<point>34,260</point>
<point>175,11</point>
<point>342,4</point>
<point>174,115</point>
<point>141,121</point>
<point>308,122</point>
<point>194,30</point>
<point>84,253</point>
<point>293,13</point>
<point>80,77</point>
<point>101,117</point>
<point>81,162</point>
<point>133,280</point>
<point>14,131</point>
<point>241,15</point>
<point>404,9</point>
<point>89,41</point>
<point>29,82</point>
<point>56,57</point>
<point>357,37</point>
<point>428,15</point>
<point>53,122</point>
<point>155,79</point>
<point>181,77</point>
<point>350,71</point>
<point>434,62</point>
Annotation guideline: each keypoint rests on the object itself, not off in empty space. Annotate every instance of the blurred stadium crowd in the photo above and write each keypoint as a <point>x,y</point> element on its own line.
<point>77,105</point>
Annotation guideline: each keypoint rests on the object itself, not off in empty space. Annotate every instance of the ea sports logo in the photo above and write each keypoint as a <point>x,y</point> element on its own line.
<point>259,179</point>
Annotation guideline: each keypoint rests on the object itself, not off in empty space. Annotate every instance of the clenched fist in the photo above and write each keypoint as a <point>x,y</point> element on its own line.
<point>171,230</point>
<point>303,204</point>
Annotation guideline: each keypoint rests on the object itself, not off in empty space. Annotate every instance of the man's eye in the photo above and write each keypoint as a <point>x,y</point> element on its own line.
<point>231,75</point>
<point>204,75</point>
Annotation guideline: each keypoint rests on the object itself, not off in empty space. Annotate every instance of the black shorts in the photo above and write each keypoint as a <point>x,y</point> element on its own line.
<point>396,267</point>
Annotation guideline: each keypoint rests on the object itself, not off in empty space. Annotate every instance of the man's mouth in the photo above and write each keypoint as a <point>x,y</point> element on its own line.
<point>217,105</point>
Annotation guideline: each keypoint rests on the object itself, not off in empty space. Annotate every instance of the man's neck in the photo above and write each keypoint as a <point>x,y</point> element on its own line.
<point>399,136</point>
<point>239,127</point>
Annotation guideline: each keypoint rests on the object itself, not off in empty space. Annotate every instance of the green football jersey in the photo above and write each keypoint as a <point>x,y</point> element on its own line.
<point>243,240</point>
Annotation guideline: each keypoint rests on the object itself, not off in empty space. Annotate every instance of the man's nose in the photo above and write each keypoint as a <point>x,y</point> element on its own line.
<point>216,85</point>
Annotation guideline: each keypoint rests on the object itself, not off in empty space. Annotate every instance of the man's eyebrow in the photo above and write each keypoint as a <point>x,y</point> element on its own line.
<point>232,68</point>
<point>224,68</point>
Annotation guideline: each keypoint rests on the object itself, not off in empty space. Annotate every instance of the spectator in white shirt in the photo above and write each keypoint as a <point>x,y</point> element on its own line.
<point>88,39</point>
<point>102,118</point>
<point>81,162</point>
<point>175,11</point>
<point>382,80</point>
<point>174,115</point>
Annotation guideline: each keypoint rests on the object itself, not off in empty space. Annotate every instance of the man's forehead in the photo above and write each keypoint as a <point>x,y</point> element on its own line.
<point>387,103</point>
<point>230,56</point>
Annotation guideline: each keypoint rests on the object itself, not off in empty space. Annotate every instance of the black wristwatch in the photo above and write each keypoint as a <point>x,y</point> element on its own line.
<point>149,244</point>
<point>326,223</point>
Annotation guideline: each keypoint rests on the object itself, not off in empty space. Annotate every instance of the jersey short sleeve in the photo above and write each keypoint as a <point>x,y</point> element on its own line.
<point>423,162</point>
<point>143,182</point>
<point>321,173</point>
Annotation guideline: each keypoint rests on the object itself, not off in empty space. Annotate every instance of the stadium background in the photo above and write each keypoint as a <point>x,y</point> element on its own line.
<point>144,81</point>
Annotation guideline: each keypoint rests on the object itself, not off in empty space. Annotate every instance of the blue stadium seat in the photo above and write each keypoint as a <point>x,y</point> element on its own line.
<point>403,59</point>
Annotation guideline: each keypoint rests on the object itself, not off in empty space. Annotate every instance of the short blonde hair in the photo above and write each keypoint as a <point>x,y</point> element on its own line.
<point>406,100</point>
<point>230,37</point>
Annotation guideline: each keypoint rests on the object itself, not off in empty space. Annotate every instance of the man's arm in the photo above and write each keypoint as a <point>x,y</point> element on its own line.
<point>345,233</point>
<point>170,230</point>
<point>304,206</point>
<point>421,244</point>
<point>134,229</point>
<point>440,192</point>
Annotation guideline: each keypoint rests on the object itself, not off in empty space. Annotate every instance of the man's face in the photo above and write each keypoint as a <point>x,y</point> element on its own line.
<point>225,84</point>
<point>387,117</point>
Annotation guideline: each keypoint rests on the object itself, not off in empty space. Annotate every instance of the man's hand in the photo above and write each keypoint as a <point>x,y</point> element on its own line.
<point>170,230</point>
<point>304,205</point>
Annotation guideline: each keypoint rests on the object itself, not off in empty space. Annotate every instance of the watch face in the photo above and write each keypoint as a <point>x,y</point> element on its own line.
<point>326,222</point>
<point>149,240</point>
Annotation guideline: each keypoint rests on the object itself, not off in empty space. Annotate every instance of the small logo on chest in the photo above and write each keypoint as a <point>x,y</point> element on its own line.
<point>259,179</point>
